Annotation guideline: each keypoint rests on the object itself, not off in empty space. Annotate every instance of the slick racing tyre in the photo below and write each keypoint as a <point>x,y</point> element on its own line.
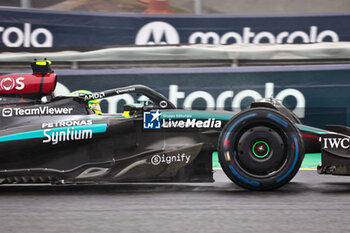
<point>260,149</point>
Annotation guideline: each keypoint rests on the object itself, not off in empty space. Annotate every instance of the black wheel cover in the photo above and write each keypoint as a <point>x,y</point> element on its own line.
<point>260,149</point>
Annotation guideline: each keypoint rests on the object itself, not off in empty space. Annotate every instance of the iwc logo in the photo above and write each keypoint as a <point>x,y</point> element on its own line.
<point>156,33</point>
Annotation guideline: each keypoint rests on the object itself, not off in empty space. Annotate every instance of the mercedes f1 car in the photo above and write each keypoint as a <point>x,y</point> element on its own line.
<point>61,140</point>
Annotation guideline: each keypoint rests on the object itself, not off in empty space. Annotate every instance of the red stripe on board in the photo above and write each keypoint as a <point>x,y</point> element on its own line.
<point>309,136</point>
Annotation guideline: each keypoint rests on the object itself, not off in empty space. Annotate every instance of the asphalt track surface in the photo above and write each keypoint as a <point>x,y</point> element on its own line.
<point>310,203</point>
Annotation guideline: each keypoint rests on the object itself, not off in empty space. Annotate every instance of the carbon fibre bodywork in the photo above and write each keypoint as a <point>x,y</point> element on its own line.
<point>80,146</point>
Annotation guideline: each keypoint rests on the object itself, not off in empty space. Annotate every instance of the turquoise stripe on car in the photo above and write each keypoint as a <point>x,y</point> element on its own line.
<point>311,129</point>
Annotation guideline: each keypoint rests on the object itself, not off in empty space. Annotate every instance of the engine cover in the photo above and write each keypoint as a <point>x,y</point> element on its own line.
<point>33,86</point>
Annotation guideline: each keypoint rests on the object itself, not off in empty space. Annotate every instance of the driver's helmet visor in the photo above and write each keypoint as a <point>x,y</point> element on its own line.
<point>93,104</point>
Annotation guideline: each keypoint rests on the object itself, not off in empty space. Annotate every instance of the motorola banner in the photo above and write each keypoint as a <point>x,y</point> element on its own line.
<point>23,28</point>
<point>307,90</point>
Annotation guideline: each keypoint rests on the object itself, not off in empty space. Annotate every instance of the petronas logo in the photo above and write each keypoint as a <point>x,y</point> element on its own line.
<point>157,33</point>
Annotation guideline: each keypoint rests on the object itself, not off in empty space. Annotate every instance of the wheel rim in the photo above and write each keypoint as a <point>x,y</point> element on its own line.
<point>260,151</point>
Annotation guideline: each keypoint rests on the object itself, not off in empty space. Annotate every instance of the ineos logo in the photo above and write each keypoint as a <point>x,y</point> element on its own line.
<point>8,83</point>
<point>156,33</point>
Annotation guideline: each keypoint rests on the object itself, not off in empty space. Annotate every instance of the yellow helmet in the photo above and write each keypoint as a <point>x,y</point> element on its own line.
<point>93,104</point>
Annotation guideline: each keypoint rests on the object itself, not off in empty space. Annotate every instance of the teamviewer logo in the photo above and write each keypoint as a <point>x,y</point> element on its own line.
<point>7,112</point>
<point>151,120</point>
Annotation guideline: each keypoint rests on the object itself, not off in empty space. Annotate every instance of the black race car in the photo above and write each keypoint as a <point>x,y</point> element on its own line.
<point>61,140</point>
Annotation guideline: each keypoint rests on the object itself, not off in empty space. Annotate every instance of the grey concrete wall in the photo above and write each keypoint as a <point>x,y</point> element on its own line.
<point>266,6</point>
<point>187,6</point>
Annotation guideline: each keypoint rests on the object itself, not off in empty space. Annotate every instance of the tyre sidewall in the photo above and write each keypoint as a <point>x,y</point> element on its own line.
<point>293,151</point>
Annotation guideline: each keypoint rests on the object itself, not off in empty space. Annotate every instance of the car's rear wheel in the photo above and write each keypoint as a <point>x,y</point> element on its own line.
<point>260,149</point>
